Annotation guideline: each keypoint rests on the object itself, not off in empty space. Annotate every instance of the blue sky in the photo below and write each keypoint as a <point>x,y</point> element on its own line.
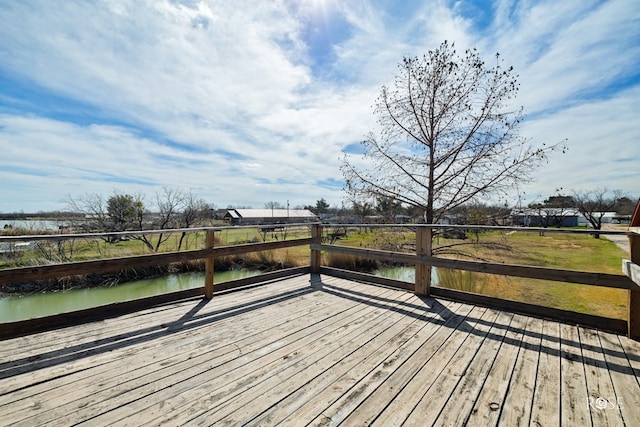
<point>246,102</point>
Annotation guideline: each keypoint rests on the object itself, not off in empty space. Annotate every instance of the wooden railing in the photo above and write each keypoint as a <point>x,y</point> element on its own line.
<point>423,259</point>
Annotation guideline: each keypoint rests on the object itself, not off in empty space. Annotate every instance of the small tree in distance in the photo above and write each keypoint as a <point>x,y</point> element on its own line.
<point>594,204</point>
<point>447,135</point>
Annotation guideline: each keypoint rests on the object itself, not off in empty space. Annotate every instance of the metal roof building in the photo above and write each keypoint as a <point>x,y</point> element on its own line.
<point>269,216</point>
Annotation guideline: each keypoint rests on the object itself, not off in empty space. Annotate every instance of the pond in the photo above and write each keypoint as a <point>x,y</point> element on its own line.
<point>38,305</point>
<point>405,274</point>
<point>32,224</point>
<point>46,304</point>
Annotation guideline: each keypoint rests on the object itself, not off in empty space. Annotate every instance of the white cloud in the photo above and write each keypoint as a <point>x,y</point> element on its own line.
<point>602,141</point>
<point>567,49</point>
<point>224,97</point>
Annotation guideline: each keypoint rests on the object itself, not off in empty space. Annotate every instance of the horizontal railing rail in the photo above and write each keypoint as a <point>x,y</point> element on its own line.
<point>43,272</point>
<point>543,273</point>
<point>130,233</point>
<point>587,231</point>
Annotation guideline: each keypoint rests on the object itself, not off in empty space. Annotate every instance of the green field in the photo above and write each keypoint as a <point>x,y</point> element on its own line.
<point>565,251</point>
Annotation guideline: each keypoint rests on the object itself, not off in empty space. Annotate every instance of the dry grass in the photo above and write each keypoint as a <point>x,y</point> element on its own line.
<point>554,250</point>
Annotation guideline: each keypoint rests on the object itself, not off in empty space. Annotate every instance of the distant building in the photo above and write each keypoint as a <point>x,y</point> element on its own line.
<point>269,216</point>
<point>546,217</point>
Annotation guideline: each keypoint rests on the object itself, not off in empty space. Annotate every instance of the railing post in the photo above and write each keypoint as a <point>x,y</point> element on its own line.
<point>423,272</point>
<point>316,237</point>
<point>634,295</point>
<point>208,266</point>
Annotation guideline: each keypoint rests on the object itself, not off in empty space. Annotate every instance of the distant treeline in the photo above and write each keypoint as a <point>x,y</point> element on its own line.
<point>41,215</point>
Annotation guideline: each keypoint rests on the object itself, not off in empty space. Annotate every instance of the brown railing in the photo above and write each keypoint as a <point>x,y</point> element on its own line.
<point>423,259</point>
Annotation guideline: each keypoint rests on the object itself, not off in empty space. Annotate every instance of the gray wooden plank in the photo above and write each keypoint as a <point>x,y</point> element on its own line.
<point>443,383</point>
<point>357,407</point>
<point>308,401</point>
<point>161,316</point>
<point>279,386</point>
<point>516,410</point>
<point>408,397</point>
<point>236,336</point>
<point>348,390</point>
<point>461,400</point>
<point>602,401</point>
<point>574,409</point>
<point>625,384</point>
<point>274,382</point>
<point>65,364</point>
<point>545,410</point>
<point>491,399</point>
<point>49,341</point>
<point>305,360</point>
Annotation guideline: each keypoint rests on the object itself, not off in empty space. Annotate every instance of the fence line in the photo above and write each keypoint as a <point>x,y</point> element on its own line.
<point>423,260</point>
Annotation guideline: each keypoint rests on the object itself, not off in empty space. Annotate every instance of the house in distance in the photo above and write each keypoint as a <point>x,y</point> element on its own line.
<point>269,216</point>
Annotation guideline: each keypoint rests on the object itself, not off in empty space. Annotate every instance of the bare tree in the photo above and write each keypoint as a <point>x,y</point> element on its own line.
<point>594,204</point>
<point>168,202</point>
<point>362,210</point>
<point>120,212</point>
<point>447,135</point>
<point>194,210</point>
<point>554,210</point>
<point>93,208</point>
<point>273,205</point>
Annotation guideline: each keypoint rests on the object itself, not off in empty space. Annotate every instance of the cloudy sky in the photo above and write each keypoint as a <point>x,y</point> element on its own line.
<point>244,102</point>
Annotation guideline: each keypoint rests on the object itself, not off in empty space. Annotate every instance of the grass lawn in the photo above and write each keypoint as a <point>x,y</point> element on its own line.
<point>554,250</point>
<point>566,251</point>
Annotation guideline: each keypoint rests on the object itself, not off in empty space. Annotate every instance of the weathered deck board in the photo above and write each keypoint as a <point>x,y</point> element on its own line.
<point>329,352</point>
<point>24,371</point>
<point>545,408</point>
<point>517,407</point>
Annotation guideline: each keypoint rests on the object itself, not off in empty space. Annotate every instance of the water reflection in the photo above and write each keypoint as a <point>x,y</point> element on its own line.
<point>405,274</point>
<point>38,305</point>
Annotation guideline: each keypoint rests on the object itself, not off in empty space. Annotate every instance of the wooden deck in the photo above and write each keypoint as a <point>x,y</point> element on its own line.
<point>329,352</point>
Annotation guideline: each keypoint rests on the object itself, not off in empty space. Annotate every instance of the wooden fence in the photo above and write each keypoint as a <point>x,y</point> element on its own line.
<point>423,259</point>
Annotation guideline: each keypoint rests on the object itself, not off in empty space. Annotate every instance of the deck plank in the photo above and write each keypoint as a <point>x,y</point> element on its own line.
<point>626,396</point>
<point>460,403</point>
<point>407,398</point>
<point>325,351</point>
<point>574,407</point>
<point>517,407</point>
<point>159,384</point>
<point>242,410</point>
<point>435,396</point>
<point>358,407</point>
<point>545,410</point>
<point>353,390</point>
<point>143,362</point>
<point>346,389</point>
<point>492,396</point>
<point>284,370</point>
<point>116,333</point>
<point>317,393</point>
<point>171,345</point>
<point>601,402</point>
